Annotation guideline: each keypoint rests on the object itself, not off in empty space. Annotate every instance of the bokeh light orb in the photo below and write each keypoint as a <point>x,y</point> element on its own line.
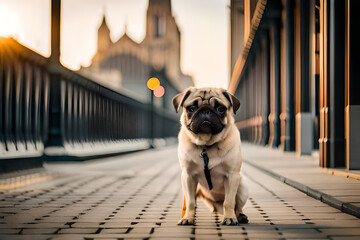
<point>159,91</point>
<point>153,83</point>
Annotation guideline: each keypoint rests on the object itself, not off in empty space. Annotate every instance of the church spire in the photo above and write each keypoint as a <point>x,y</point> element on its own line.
<point>165,4</point>
<point>125,26</point>
<point>104,24</point>
<point>103,36</point>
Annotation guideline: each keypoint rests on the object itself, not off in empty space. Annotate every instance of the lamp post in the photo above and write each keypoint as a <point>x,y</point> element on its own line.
<point>158,91</point>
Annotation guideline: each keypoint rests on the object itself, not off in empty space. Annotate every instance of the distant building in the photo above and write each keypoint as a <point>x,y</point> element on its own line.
<point>128,64</point>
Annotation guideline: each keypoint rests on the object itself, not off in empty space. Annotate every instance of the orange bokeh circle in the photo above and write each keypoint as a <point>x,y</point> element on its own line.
<point>153,83</point>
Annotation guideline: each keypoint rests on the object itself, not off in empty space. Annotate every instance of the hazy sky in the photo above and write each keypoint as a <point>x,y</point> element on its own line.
<point>203,25</point>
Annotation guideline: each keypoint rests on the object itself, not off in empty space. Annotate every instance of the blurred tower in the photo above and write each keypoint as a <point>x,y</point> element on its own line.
<point>163,38</point>
<point>104,40</point>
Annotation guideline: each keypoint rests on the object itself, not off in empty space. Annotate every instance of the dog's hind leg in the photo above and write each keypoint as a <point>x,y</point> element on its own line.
<point>213,206</point>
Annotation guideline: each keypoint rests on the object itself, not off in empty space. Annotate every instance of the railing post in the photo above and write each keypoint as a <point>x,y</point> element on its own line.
<point>303,117</point>
<point>55,122</point>
<point>274,140</point>
<point>152,115</point>
<point>55,30</point>
<point>266,87</point>
<point>352,97</point>
<point>289,119</point>
<point>336,82</point>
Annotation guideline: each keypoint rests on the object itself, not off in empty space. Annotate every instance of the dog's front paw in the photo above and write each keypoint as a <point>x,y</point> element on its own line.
<point>186,221</point>
<point>229,221</point>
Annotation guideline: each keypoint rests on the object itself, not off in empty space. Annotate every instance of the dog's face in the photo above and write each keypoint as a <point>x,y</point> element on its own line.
<point>206,110</point>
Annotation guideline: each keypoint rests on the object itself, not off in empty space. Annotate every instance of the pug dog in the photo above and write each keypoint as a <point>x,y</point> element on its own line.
<point>209,153</point>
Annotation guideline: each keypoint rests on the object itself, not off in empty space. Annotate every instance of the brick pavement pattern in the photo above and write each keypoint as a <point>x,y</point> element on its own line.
<point>138,196</point>
<point>337,187</point>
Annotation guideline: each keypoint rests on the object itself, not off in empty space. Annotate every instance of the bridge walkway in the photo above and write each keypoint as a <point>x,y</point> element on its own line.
<point>138,196</point>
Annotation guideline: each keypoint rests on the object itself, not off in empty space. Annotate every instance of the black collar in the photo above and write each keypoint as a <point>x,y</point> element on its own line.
<point>204,155</point>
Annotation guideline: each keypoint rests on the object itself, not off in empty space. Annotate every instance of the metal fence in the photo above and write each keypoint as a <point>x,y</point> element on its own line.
<point>47,110</point>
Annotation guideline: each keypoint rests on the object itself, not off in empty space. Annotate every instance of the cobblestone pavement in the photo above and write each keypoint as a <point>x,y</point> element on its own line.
<point>138,196</point>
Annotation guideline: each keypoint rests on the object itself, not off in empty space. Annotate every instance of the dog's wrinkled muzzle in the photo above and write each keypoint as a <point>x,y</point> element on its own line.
<point>206,120</point>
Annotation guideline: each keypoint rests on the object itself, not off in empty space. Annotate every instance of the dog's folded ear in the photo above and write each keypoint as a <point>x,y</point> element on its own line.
<point>234,101</point>
<point>179,99</point>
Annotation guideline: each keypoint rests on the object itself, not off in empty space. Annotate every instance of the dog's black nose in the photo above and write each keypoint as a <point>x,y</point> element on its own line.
<point>206,112</point>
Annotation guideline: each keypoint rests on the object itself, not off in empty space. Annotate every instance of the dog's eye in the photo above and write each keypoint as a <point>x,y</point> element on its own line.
<point>221,109</point>
<point>191,109</point>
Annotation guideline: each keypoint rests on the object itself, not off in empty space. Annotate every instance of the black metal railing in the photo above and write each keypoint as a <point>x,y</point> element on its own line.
<point>48,110</point>
<point>24,91</point>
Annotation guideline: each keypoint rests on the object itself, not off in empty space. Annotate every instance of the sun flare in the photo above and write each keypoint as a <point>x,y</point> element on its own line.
<point>9,23</point>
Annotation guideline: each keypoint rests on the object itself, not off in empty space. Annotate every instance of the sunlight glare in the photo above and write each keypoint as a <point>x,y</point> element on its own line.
<point>9,23</point>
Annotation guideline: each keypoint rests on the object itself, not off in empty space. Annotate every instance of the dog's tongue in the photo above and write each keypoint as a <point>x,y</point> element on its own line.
<point>205,127</point>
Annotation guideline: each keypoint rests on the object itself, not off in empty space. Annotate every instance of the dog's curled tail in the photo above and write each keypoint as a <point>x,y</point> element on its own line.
<point>183,208</point>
